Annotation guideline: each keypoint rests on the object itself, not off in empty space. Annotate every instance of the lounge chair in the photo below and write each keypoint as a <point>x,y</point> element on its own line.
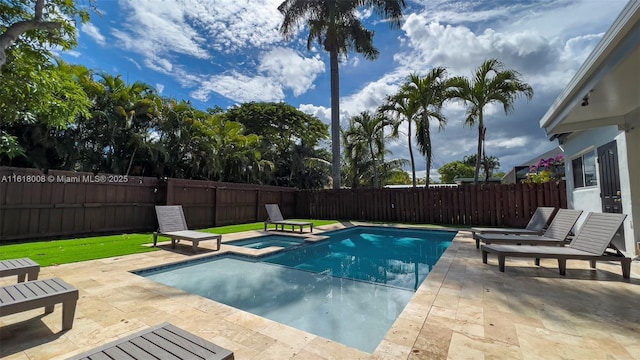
<point>21,267</point>
<point>536,225</point>
<point>171,223</point>
<point>163,341</point>
<point>556,233</point>
<point>590,243</point>
<point>275,217</point>
<point>40,293</point>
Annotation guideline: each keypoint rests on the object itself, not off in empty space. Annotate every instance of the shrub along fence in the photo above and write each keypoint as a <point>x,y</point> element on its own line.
<point>60,204</point>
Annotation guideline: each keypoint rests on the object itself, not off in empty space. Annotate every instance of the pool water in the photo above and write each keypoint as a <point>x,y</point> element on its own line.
<point>265,241</point>
<point>350,288</point>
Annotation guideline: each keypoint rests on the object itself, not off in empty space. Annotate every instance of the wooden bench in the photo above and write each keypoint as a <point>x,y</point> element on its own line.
<point>163,341</point>
<point>20,267</point>
<point>40,293</point>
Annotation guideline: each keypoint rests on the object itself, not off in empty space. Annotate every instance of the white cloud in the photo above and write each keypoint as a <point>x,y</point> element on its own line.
<point>160,88</point>
<point>94,33</point>
<point>291,70</point>
<point>240,88</point>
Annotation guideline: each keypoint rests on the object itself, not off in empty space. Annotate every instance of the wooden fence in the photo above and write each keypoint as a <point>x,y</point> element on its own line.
<point>61,204</point>
<point>486,205</point>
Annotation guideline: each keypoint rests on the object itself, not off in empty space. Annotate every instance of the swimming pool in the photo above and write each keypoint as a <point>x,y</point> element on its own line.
<point>265,241</point>
<point>349,288</point>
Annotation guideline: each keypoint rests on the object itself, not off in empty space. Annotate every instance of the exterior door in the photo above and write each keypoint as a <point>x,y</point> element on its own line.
<point>610,185</point>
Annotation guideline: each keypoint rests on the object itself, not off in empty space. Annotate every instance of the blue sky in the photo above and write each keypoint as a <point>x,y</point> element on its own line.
<point>225,52</point>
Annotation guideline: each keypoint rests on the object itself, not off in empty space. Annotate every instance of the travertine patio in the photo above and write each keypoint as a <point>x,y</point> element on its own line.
<point>464,309</point>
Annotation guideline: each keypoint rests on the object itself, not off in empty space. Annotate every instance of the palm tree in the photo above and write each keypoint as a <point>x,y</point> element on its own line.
<point>429,93</point>
<point>368,129</point>
<point>491,83</point>
<point>490,163</point>
<point>338,28</point>
<point>405,108</point>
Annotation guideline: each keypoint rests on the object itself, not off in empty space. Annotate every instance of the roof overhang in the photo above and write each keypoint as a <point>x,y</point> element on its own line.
<point>607,85</point>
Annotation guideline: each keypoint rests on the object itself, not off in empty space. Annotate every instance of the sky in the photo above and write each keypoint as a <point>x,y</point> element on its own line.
<point>226,52</point>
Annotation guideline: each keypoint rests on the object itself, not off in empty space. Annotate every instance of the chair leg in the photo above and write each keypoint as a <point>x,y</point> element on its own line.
<point>195,246</point>
<point>592,263</point>
<point>21,277</point>
<point>68,312</point>
<point>477,244</point>
<point>173,243</point>
<point>33,275</point>
<point>155,239</point>
<point>626,268</point>
<point>501,260</point>
<point>537,261</point>
<point>49,309</point>
<point>484,257</point>
<point>562,266</point>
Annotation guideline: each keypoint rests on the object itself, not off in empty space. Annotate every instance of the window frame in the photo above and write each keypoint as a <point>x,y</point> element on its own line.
<point>581,156</point>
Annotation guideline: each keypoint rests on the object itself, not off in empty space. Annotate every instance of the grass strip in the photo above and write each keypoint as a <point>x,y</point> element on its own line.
<point>57,252</point>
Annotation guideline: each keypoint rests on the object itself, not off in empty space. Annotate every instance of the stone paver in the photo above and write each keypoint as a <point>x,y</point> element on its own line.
<point>464,309</point>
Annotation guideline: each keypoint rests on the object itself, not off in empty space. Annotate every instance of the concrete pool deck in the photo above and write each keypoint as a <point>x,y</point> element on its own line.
<point>464,309</point>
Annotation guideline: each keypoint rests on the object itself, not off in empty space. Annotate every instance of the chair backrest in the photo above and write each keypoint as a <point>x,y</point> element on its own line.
<point>274,212</point>
<point>596,232</point>
<point>540,218</point>
<point>562,224</point>
<point>170,218</point>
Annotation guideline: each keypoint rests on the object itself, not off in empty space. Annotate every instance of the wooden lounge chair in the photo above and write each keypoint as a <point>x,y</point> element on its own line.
<point>21,267</point>
<point>40,293</point>
<point>556,233</point>
<point>172,224</point>
<point>591,243</point>
<point>536,225</point>
<point>275,217</point>
<point>163,341</point>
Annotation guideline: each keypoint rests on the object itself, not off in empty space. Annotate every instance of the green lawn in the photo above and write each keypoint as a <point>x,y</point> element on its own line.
<point>58,252</point>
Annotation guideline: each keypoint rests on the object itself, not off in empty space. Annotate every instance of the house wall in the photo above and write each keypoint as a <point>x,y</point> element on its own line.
<point>588,198</point>
<point>632,201</point>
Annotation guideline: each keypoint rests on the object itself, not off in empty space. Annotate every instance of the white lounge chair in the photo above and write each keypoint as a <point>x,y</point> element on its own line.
<point>536,225</point>
<point>590,243</point>
<point>556,233</point>
<point>275,217</point>
<point>172,224</point>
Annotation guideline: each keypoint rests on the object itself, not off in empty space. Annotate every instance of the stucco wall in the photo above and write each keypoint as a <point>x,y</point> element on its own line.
<point>588,198</point>
<point>631,203</point>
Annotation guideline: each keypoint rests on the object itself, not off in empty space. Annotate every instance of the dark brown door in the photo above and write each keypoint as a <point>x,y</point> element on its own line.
<point>610,185</point>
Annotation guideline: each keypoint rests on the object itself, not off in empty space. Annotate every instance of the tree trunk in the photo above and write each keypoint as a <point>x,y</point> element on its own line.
<point>476,174</point>
<point>375,167</point>
<point>13,32</point>
<point>413,163</point>
<point>335,119</point>
<point>426,183</point>
<point>131,160</point>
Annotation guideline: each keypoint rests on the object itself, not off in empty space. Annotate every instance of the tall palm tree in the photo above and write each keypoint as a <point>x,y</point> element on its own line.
<point>369,130</point>
<point>491,83</point>
<point>337,27</point>
<point>404,108</point>
<point>429,93</point>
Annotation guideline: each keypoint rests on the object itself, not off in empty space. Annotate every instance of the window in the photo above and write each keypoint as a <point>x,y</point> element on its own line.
<point>584,170</point>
